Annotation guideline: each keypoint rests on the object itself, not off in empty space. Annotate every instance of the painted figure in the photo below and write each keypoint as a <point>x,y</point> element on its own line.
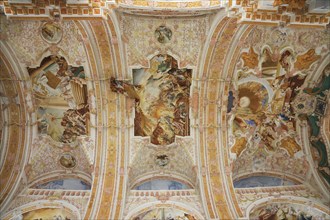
<point>61,93</point>
<point>162,99</point>
<point>163,34</point>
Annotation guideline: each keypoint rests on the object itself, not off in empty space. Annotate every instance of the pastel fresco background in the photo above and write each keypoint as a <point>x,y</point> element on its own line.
<point>66,184</point>
<point>162,185</point>
<point>261,181</point>
<point>49,122</point>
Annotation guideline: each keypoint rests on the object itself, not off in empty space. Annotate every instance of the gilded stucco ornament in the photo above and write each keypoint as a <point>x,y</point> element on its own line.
<point>280,211</point>
<point>304,104</point>
<point>250,58</point>
<point>298,4</point>
<point>304,61</point>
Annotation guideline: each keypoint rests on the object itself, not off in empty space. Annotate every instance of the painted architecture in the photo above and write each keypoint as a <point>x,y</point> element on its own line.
<point>165,109</point>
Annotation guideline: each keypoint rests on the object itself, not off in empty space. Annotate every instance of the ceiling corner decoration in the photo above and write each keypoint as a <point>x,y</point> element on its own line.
<point>184,44</point>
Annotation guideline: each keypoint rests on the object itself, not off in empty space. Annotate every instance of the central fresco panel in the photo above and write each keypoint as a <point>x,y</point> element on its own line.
<point>161,94</point>
<point>60,92</point>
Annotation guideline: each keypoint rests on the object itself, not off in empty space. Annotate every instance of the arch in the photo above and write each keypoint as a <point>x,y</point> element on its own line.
<point>288,177</point>
<point>60,174</point>
<point>215,78</point>
<point>261,181</point>
<point>64,184</point>
<point>313,78</point>
<point>311,131</point>
<point>161,184</point>
<point>158,204</point>
<point>49,177</point>
<point>166,176</point>
<point>40,204</point>
<point>287,200</point>
<point>19,129</point>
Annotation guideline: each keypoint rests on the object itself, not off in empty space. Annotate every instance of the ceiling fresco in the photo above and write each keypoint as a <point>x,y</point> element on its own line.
<point>271,76</point>
<point>161,93</point>
<point>164,110</point>
<point>278,211</point>
<point>60,91</point>
<point>312,103</point>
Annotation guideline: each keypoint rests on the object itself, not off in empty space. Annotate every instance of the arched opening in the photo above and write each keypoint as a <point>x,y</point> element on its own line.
<point>64,184</point>
<point>164,214</point>
<point>162,184</point>
<point>262,181</point>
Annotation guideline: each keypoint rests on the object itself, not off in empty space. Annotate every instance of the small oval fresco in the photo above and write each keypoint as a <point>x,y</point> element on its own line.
<point>68,161</point>
<point>162,160</point>
<point>163,34</point>
<point>51,32</point>
<point>66,184</point>
<point>162,185</point>
<point>261,181</point>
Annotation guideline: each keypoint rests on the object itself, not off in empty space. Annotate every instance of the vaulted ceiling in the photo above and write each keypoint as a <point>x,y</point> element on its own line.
<point>164,109</point>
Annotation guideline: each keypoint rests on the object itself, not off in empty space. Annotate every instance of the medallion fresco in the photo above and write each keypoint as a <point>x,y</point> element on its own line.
<point>51,32</point>
<point>165,214</point>
<point>67,161</point>
<point>283,211</point>
<point>60,92</point>
<point>270,76</point>
<point>161,95</point>
<point>54,38</point>
<point>163,34</point>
